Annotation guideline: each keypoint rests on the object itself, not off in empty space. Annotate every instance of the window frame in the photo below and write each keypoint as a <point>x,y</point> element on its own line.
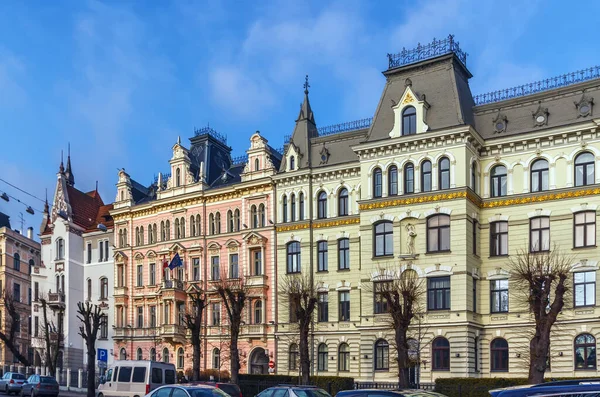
<point>496,181</point>
<point>343,201</point>
<point>585,224</point>
<point>409,121</point>
<point>540,231</point>
<point>392,175</point>
<point>443,174</point>
<point>293,355</point>
<point>584,166</point>
<point>344,313</point>
<point>381,355</point>
<point>439,233</point>
<point>380,303</point>
<point>293,256</point>
<point>426,176</point>
<point>377,183</point>
<point>322,253</point>
<point>584,283</point>
<point>322,357</point>
<point>322,205</point>
<point>408,178</point>
<point>383,235</point>
<point>499,356</point>
<point>440,355</point>
<point>498,239</point>
<point>540,176</point>
<point>344,357</point>
<point>497,288</point>
<point>323,307</point>
<point>588,348</point>
<point>343,253</point>
<point>446,302</point>
<point>292,208</point>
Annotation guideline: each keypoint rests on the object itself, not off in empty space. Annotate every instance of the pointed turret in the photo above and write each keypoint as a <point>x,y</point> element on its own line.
<point>69,171</point>
<point>61,168</point>
<point>45,227</point>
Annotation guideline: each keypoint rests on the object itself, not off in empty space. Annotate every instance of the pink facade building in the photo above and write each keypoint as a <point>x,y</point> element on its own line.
<point>216,213</point>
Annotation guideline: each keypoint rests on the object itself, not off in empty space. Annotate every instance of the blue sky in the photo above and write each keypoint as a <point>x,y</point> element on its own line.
<point>120,80</point>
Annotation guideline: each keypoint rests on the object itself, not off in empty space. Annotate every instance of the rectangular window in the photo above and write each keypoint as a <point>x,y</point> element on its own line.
<point>216,314</point>
<point>125,374</point>
<point>234,268</point>
<point>106,250</point>
<point>104,327</point>
<point>36,291</point>
<point>294,300</point>
<point>152,316</point>
<point>474,295</point>
<point>257,262</point>
<point>120,276</point>
<point>29,297</point>
<point>584,288</point>
<point>17,292</point>
<point>139,375</point>
<point>380,304</point>
<point>322,256</point>
<point>36,326</point>
<point>474,236</point>
<point>539,231</point>
<point>214,268</point>
<point>438,293</point>
<point>101,251</point>
<point>140,276</point>
<point>152,274</point>
<point>196,269</point>
<point>323,307</point>
<point>89,253</point>
<point>499,296</point>
<point>140,317</point>
<point>344,298</point>
<point>29,325</point>
<point>344,254</point>
<point>585,229</point>
<point>499,238</point>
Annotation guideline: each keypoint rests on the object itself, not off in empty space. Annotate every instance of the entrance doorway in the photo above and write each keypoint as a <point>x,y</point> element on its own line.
<point>259,362</point>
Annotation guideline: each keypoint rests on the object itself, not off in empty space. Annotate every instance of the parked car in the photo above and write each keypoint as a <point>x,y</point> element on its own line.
<point>293,391</point>
<point>230,388</point>
<point>581,387</point>
<point>387,393</point>
<point>12,382</point>
<point>37,385</point>
<point>188,391</point>
<point>136,378</point>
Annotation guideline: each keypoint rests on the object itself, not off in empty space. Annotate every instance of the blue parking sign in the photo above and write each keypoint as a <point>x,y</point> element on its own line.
<point>102,355</point>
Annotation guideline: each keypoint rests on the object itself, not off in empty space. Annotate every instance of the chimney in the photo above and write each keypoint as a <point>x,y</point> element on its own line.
<point>30,233</point>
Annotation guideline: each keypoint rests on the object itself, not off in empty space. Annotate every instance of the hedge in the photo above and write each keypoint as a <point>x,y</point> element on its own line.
<point>331,384</point>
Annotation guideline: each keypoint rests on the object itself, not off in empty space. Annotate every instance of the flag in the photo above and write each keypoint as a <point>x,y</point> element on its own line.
<point>165,263</point>
<point>175,262</point>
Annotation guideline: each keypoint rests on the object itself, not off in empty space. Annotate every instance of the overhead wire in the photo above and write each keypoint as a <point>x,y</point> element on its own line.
<point>21,190</point>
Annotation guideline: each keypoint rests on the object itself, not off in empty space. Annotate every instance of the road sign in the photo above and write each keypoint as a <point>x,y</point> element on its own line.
<point>103,355</point>
<point>271,364</point>
<point>101,364</point>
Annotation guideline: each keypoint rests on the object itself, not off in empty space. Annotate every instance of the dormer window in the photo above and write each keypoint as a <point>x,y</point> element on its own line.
<point>177,177</point>
<point>122,195</point>
<point>409,121</point>
<point>292,163</point>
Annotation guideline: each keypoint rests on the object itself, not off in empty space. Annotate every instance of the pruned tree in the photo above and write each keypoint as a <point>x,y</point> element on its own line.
<point>299,295</point>
<point>52,334</point>
<point>91,318</point>
<point>233,292</point>
<point>13,325</point>
<point>540,282</point>
<point>193,322</point>
<point>399,295</point>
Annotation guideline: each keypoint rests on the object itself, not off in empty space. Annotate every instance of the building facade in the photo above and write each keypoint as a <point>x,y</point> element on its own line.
<point>450,186</point>
<point>19,254</point>
<point>217,214</point>
<point>77,266</point>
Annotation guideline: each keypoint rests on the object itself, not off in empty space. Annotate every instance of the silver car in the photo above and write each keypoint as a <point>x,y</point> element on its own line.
<point>187,391</point>
<point>12,382</point>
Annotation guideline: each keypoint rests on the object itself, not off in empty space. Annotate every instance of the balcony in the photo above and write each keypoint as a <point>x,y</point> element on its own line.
<point>39,342</point>
<point>173,289</point>
<point>173,333</point>
<point>255,331</point>
<point>120,291</point>
<point>56,300</point>
<point>256,281</point>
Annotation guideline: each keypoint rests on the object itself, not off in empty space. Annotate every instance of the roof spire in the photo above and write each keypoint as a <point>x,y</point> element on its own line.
<point>69,172</point>
<point>305,110</point>
<point>61,169</point>
<point>306,85</point>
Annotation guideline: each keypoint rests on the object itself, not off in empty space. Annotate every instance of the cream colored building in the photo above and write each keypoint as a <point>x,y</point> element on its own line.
<point>449,185</point>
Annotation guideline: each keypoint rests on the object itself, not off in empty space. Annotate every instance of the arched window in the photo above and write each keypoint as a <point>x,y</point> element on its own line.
<point>218,223</point>
<point>122,195</point>
<point>177,235</point>
<point>293,207</point>
<point>426,176</point>
<point>141,235</point>
<point>180,361</point>
<point>261,215</point>
<point>438,233</point>
<point>584,169</point>
<point>409,121</point>
<point>60,248</point>
<point>103,288</point>
<point>377,183</point>
<point>31,266</point>
<point>182,226</point>
<point>153,354</point>
<point>293,357</point>
<point>292,163</point>
<point>344,357</point>
<point>193,225</point>
<point>440,349</point>
<point>383,239</point>
<point>322,358</point>
<point>229,221</point>
<point>89,289</point>
<point>177,177</point>
<point>258,312</point>
<point>444,173</point>
<point>284,209</point>
<point>167,230</point>
<point>322,205</point>
<point>539,176</point>
<point>382,355</point>
<point>499,355</point>
<point>17,262</point>
<point>343,202</point>
<point>498,181</point>
<point>585,352</point>
<point>236,220</point>
<point>409,178</point>
<point>301,206</point>
<point>139,355</point>
<point>165,355</point>
<point>474,177</point>
<point>163,231</point>
<point>216,358</point>
<point>150,237</point>
<point>122,354</point>
<point>198,225</point>
<point>253,217</point>
<point>392,181</point>
<point>256,164</point>
<point>137,236</point>
<point>293,257</point>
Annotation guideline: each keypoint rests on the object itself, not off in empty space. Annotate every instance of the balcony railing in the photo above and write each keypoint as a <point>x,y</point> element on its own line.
<point>173,284</point>
<point>56,299</point>
<point>255,329</point>
<point>170,330</point>
<point>121,290</point>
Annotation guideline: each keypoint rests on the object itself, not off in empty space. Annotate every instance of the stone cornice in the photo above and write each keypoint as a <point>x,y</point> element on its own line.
<point>320,224</point>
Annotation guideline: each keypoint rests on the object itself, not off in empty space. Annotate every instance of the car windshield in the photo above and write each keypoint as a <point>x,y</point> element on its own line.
<point>47,379</point>
<point>18,376</point>
<point>311,393</point>
<point>232,390</point>
<point>207,392</point>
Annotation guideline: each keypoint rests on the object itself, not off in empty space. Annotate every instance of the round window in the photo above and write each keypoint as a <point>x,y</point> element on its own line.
<point>540,119</point>
<point>584,109</point>
<point>499,126</point>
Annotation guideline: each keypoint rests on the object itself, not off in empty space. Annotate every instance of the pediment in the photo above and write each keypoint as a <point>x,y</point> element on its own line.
<point>255,239</point>
<point>151,254</point>
<point>177,248</point>
<point>138,256</point>
<point>409,98</point>
<point>120,256</point>
<point>232,243</point>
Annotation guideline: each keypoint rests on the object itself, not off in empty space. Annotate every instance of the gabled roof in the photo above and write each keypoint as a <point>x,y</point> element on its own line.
<point>88,209</point>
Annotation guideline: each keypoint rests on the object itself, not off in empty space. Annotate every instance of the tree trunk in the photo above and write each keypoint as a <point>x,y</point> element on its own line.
<point>304,353</point>
<point>235,357</point>
<point>91,368</point>
<point>538,353</point>
<point>196,356</point>
<point>402,359</point>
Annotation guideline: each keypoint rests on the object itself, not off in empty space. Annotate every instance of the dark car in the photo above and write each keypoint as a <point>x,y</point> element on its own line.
<point>187,391</point>
<point>230,388</point>
<point>293,391</point>
<point>387,393</point>
<point>12,382</point>
<point>581,387</point>
<point>38,385</point>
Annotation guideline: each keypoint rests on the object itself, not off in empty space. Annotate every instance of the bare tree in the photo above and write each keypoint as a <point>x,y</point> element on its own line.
<point>53,335</point>
<point>400,296</point>
<point>193,322</point>
<point>90,316</point>
<point>13,325</point>
<point>233,293</point>
<point>540,279</point>
<point>299,295</point>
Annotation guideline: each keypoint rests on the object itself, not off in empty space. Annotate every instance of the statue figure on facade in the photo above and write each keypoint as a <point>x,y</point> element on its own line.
<point>410,239</point>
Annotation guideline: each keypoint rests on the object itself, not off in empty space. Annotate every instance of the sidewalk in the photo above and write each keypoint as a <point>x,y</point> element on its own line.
<point>71,393</point>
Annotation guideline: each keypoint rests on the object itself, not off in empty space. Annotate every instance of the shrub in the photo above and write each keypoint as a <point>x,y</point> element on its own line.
<point>253,384</point>
<point>222,376</point>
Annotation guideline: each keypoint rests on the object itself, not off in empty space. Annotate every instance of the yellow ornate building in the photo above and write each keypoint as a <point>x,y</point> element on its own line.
<point>449,185</point>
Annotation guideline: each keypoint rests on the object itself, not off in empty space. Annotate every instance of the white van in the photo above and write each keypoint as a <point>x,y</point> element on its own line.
<point>131,378</point>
